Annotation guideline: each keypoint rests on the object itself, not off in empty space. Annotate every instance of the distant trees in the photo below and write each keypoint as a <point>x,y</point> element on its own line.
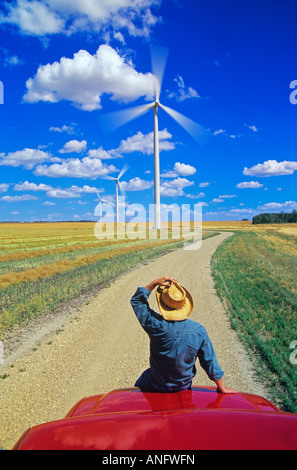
<point>281,218</point>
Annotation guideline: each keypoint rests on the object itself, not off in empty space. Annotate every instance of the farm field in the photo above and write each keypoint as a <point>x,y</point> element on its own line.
<point>255,274</point>
<point>45,265</point>
<point>245,225</point>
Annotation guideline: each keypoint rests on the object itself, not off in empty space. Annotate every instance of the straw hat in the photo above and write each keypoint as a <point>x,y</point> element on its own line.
<point>175,302</point>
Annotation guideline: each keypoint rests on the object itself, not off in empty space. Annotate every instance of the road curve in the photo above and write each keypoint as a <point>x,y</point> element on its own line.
<point>99,345</point>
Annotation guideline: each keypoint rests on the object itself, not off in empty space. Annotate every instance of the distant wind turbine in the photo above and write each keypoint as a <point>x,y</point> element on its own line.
<point>118,185</point>
<point>116,119</point>
<point>99,207</point>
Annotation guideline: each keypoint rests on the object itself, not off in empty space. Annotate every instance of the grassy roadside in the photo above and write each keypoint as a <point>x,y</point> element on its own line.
<point>255,276</point>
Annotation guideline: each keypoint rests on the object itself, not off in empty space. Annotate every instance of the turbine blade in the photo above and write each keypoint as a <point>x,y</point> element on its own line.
<point>159,58</point>
<point>110,122</point>
<point>198,132</point>
<point>123,171</point>
<point>157,88</point>
<point>101,199</point>
<point>122,188</point>
<point>108,177</point>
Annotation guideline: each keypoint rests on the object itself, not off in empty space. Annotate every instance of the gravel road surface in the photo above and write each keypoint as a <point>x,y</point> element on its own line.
<point>98,345</point>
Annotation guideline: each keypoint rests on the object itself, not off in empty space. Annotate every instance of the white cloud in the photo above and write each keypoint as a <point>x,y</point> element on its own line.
<point>242,211</point>
<point>235,136</point>
<point>249,184</point>
<point>72,192</point>
<point>204,185</point>
<point>217,200</point>
<point>90,168</point>
<point>33,18</point>
<point>48,203</point>
<point>139,142</point>
<point>175,187</point>
<point>26,157</point>
<point>24,197</point>
<point>26,186</point>
<point>180,169</point>
<point>184,169</point>
<point>86,189</point>
<point>219,131</point>
<point>271,168</point>
<point>62,193</point>
<point>85,78</point>
<point>46,17</point>
<point>183,92</point>
<point>64,128</point>
<point>277,206</point>
<point>195,196</point>
<point>55,215</point>
<point>144,143</point>
<point>228,196</point>
<point>4,187</point>
<point>12,60</point>
<point>252,128</point>
<point>101,153</point>
<point>136,184</point>
<point>74,146</point>
<point>226,134</point>
<point>232,214</point>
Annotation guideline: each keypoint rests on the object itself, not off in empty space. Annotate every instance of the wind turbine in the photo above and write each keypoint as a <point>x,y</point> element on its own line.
<point>99,212</point>
<point>118,185</point>
<point>116,119</point>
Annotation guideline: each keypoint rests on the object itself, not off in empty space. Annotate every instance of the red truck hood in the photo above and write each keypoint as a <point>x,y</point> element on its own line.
<point>189,420</point>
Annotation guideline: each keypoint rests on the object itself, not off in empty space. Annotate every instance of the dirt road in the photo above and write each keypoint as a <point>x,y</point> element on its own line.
<point>99,346</point>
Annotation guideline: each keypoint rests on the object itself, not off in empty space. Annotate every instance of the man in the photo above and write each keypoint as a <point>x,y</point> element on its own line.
<point>175,340</point>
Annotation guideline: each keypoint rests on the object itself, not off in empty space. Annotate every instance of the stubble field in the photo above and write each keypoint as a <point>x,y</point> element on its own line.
<point>45,265</point>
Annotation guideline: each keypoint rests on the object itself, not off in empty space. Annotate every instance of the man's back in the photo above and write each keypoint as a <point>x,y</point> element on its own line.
<point>174,347</point>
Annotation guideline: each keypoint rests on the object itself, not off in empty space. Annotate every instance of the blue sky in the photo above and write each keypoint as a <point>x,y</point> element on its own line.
<point>65,64</point>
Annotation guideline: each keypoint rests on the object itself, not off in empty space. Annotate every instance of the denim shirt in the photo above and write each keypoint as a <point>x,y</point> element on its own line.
<point>174,348</point>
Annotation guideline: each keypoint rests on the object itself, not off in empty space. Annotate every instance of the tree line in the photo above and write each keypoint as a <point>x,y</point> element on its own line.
<point>281,218</point>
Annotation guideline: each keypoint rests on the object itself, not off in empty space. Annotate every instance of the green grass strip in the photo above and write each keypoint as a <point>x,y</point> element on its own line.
<point>257,285</point>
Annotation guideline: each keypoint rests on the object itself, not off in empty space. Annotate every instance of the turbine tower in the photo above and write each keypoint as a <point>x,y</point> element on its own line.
<point>118,185</point>
<point>98,208</point>
<point>112,121</point>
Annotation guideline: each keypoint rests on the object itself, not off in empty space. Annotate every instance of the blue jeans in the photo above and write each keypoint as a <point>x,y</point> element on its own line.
<point>146,383</point>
